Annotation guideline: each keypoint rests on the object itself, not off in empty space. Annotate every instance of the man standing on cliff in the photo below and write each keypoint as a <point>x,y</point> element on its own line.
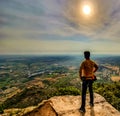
<point>86,74</point>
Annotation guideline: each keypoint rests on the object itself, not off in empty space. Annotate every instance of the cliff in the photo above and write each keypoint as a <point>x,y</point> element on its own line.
<point>67,106</point>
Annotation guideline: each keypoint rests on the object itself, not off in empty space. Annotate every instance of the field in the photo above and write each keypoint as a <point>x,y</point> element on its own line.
<point>115,78</point>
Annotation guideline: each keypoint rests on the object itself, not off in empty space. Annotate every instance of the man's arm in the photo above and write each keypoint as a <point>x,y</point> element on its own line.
<point>96,67</point>
<point>80,71</point>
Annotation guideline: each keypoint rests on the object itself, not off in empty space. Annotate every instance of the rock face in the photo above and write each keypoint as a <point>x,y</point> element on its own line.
<point>69,106</point>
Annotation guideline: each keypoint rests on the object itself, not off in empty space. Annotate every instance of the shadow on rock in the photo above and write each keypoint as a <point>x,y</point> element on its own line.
<point>92,113</point>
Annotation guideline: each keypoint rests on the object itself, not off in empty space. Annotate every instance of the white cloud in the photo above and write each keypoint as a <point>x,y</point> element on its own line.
<point>54,25</point>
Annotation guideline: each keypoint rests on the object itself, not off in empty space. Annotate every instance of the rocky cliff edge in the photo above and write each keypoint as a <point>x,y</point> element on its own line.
<point>68,106</point>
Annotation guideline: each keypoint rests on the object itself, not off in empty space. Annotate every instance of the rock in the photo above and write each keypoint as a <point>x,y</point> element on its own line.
<point>69,106</point>
<point>43,110</point>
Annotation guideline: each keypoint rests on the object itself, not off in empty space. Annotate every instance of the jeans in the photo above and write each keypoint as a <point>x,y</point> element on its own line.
<point>85,84</point>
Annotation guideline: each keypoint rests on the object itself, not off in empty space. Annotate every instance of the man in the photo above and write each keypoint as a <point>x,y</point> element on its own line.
<point>86,74</point>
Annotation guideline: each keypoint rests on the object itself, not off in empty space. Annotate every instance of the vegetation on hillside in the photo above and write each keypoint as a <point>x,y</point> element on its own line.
<point>111,92</point>
<point>34,95</point>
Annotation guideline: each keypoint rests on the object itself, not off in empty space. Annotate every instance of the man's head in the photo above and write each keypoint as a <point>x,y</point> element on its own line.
<point>87,54</point>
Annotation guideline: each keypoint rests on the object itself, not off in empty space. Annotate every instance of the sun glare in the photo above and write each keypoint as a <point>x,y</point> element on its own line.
<point>86,9</point>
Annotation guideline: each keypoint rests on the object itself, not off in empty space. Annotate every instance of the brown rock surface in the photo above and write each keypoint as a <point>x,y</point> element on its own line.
<point>69,106</point>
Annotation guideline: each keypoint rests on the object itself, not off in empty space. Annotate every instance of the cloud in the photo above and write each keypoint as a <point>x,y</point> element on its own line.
<point>58,25</point>
<point>106,18</point>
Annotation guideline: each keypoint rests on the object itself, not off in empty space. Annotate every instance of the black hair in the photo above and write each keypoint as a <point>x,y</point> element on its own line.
<point>87,54</point>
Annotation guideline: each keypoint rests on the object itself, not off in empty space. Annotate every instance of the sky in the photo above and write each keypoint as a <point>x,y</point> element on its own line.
<point>59,27</point>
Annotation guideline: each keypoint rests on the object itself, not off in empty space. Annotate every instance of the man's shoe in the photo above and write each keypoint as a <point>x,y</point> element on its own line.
<point>91,104</point>
<point>82,110</point>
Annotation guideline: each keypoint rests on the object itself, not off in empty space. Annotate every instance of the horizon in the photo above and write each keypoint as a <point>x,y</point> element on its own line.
<point>59,27</point>
<point>62,54</point>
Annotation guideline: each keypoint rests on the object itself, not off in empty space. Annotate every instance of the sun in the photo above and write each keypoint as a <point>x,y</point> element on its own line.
<point>86,9</point>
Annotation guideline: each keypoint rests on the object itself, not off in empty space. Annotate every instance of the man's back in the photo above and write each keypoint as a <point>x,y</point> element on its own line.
<point>87,68</point>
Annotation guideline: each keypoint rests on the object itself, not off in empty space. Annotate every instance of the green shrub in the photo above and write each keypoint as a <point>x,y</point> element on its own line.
<point>70,90</point>
<point>110,91</point>
<point>1,109</point>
